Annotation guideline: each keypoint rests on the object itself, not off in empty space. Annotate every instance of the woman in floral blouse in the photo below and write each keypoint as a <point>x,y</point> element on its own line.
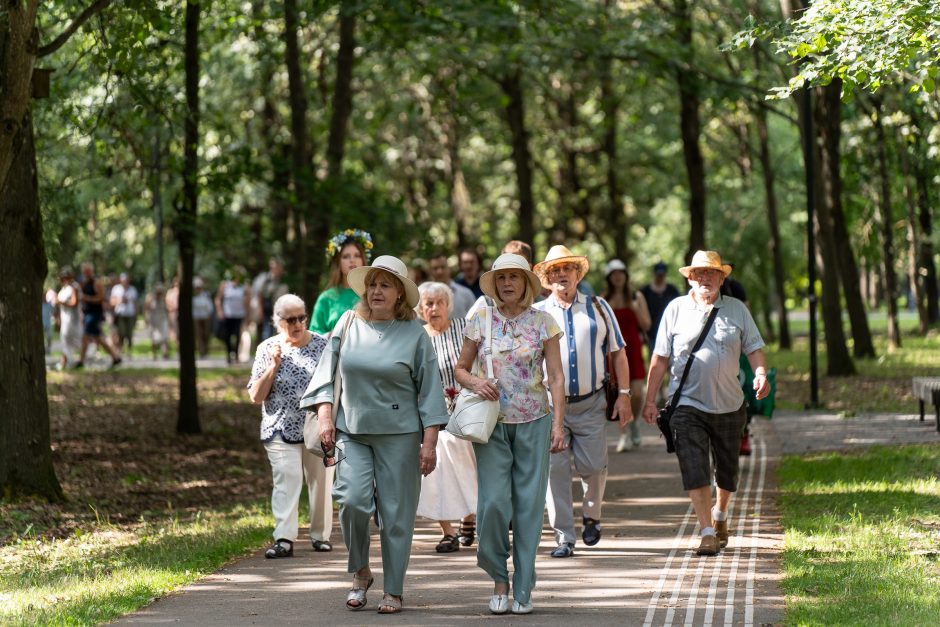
<point>512,468</point>
<point>284,365</point>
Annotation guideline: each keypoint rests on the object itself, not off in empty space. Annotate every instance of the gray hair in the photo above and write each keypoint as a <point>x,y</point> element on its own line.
<point>435,289</point>
<point>285,302</point>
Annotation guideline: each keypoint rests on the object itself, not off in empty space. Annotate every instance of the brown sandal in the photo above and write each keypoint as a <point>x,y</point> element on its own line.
<point>390,604</point>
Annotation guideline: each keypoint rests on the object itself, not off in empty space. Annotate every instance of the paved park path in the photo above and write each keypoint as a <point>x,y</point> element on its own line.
<point>643,572</point>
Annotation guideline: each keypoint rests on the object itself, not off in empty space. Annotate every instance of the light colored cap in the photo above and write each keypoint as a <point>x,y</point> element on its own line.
<point>509,261</point>
<point>390,264</point>
<point>560,254</point>
<point>613,266</point>
<point>705,259</point>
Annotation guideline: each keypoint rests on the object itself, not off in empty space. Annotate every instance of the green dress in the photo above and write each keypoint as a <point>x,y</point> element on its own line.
<point>331,304</point>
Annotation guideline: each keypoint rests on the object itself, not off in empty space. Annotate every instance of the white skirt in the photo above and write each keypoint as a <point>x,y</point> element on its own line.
<point>450,492</point>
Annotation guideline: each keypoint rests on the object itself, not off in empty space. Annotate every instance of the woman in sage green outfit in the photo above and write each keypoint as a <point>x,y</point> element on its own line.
<point>384,433</point>
<point>346,251</point>
<point>518,449</point>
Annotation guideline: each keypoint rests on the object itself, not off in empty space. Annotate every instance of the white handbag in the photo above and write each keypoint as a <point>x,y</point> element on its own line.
<point>474,418</point>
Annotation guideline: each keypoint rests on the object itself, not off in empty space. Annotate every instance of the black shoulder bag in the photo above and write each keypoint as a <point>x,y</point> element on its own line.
<point>665,414</point>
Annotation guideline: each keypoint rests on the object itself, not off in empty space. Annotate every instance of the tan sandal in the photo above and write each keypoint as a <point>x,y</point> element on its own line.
<point>357,594</point>
<point>390,604</point>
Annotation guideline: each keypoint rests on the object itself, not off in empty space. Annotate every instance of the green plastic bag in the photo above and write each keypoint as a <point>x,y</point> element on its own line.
<point>765,406</point>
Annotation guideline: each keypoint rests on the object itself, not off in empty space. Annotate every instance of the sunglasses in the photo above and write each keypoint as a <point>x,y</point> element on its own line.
<point>295,319</point>
<point>329,456</point>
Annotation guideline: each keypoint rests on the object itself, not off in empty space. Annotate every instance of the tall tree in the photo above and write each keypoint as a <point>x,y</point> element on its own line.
<point>186,219</point>
<point>25,455</point>
<point>511,84</point>
<point>690,124</point>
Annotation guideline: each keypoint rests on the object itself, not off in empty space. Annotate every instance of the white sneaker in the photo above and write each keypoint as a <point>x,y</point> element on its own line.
<point>521,608</point>
<point>624,443</point>
<point>499,604</point>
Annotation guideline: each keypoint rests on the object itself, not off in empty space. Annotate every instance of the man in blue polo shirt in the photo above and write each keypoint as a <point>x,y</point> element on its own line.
<point>591,332</point>
<point>710,414</point>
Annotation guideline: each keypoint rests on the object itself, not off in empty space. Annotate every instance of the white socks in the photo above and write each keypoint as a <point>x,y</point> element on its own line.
<point>708,531</point>
<point>718,515</point>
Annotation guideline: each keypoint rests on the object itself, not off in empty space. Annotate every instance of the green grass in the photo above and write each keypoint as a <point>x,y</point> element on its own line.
<point>93,577</point>
<point>882,384</point>
<point>862,540</point>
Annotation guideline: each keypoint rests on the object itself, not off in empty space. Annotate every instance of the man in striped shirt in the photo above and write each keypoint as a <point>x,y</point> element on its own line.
<point>591,333</point>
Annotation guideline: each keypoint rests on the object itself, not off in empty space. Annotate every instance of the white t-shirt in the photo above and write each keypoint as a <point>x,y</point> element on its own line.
<point>126,300</point>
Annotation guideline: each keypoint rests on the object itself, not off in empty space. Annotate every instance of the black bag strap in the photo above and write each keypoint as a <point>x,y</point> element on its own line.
<point>688,365</point>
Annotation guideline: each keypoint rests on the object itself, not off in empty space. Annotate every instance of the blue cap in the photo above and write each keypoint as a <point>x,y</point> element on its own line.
<point>660,268</point>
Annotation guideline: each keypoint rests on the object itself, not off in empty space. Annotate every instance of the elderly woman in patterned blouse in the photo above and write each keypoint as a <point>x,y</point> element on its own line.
<point>450,492</point>
<point>284,365</point>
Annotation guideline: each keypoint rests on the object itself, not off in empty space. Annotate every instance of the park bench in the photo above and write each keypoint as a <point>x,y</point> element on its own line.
<point>927,389</point>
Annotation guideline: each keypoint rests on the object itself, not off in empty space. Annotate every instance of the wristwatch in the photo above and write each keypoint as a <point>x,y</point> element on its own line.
<point>626,391</point>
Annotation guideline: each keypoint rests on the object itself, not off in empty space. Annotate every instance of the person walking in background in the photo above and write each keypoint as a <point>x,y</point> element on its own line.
<point>591,334</point>
<point>710,414</point>
<point>202,316</point>
<point>658,293</point>
<point>48,318</point>
<point>347,250</point>
<point>157,318</point>
<point>470,264</point>
<point>283,367</point>
<point>633,318</point>
<point>512,467</point>
<point>231,306</point>
<point>450,492</point>
<point>173,309</point>
<point>463,298</point>
<point>92,299</point>
<point>70,318</point>
<point>265,290</point>
<point>124,303</point>
<point>383,437</point>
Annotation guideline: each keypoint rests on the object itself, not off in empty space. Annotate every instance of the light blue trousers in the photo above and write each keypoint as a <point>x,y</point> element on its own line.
<point>512,478</point>
<point>390,463</point>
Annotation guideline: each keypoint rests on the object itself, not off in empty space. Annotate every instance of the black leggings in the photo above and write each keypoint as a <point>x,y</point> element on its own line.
<point>232,333</point>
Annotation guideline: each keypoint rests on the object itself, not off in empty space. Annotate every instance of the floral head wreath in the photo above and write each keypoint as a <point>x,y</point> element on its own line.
<point>339,240</point>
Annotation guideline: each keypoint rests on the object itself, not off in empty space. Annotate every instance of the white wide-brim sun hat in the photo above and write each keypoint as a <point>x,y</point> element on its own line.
<point>394,266</point>
<point>509,261</point>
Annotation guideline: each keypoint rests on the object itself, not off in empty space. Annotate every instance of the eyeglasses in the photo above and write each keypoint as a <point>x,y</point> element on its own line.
<point>330,458</point>
<point>701,273</point>
<point>295,319</point>
<point>562,268</point>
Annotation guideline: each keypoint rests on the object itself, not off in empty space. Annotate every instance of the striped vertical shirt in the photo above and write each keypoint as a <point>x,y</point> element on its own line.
<point>447,345</point>
<point>586,342</point>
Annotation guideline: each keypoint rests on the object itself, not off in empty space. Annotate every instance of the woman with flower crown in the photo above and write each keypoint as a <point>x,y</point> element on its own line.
<point>346,250</point>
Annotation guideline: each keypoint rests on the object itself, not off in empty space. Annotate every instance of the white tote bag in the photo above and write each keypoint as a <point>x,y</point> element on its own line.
<point>474,418</point>
<point>311,421</point>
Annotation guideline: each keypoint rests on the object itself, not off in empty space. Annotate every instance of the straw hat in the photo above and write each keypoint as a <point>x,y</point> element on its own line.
<point>560,254</point>
<point>708,259</point>
<point>509,261</point>
<point>393,265</point>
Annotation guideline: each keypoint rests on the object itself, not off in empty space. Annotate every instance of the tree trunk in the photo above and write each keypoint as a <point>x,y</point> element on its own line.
<point>617,219</point>
<point>458,195</point>
<point>511,85</point>
<point>691,127</point>
<point>773,223</point>
<point>573,209</point>
<point>829,126</point>
<point>925,262</point>
<point>886,219</point>
<point>188,417</point>
<point>301,151</point>
<point>25,455</point>
<point>156,190</point>
<point>827,188</point>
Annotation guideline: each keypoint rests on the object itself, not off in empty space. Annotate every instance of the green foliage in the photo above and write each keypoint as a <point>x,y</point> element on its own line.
<point>866,43</point>
<point>862,533</point>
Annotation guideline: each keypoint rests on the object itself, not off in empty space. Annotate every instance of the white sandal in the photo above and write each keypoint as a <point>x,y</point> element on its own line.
<point>361,585</point>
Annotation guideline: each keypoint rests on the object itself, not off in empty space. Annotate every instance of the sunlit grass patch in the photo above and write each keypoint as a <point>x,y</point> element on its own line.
<point>862,541</point>
<point>89,578</point>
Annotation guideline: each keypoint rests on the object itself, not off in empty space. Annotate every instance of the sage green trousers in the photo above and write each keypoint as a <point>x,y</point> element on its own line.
<point>390,463</point>
<point>512,479</point>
